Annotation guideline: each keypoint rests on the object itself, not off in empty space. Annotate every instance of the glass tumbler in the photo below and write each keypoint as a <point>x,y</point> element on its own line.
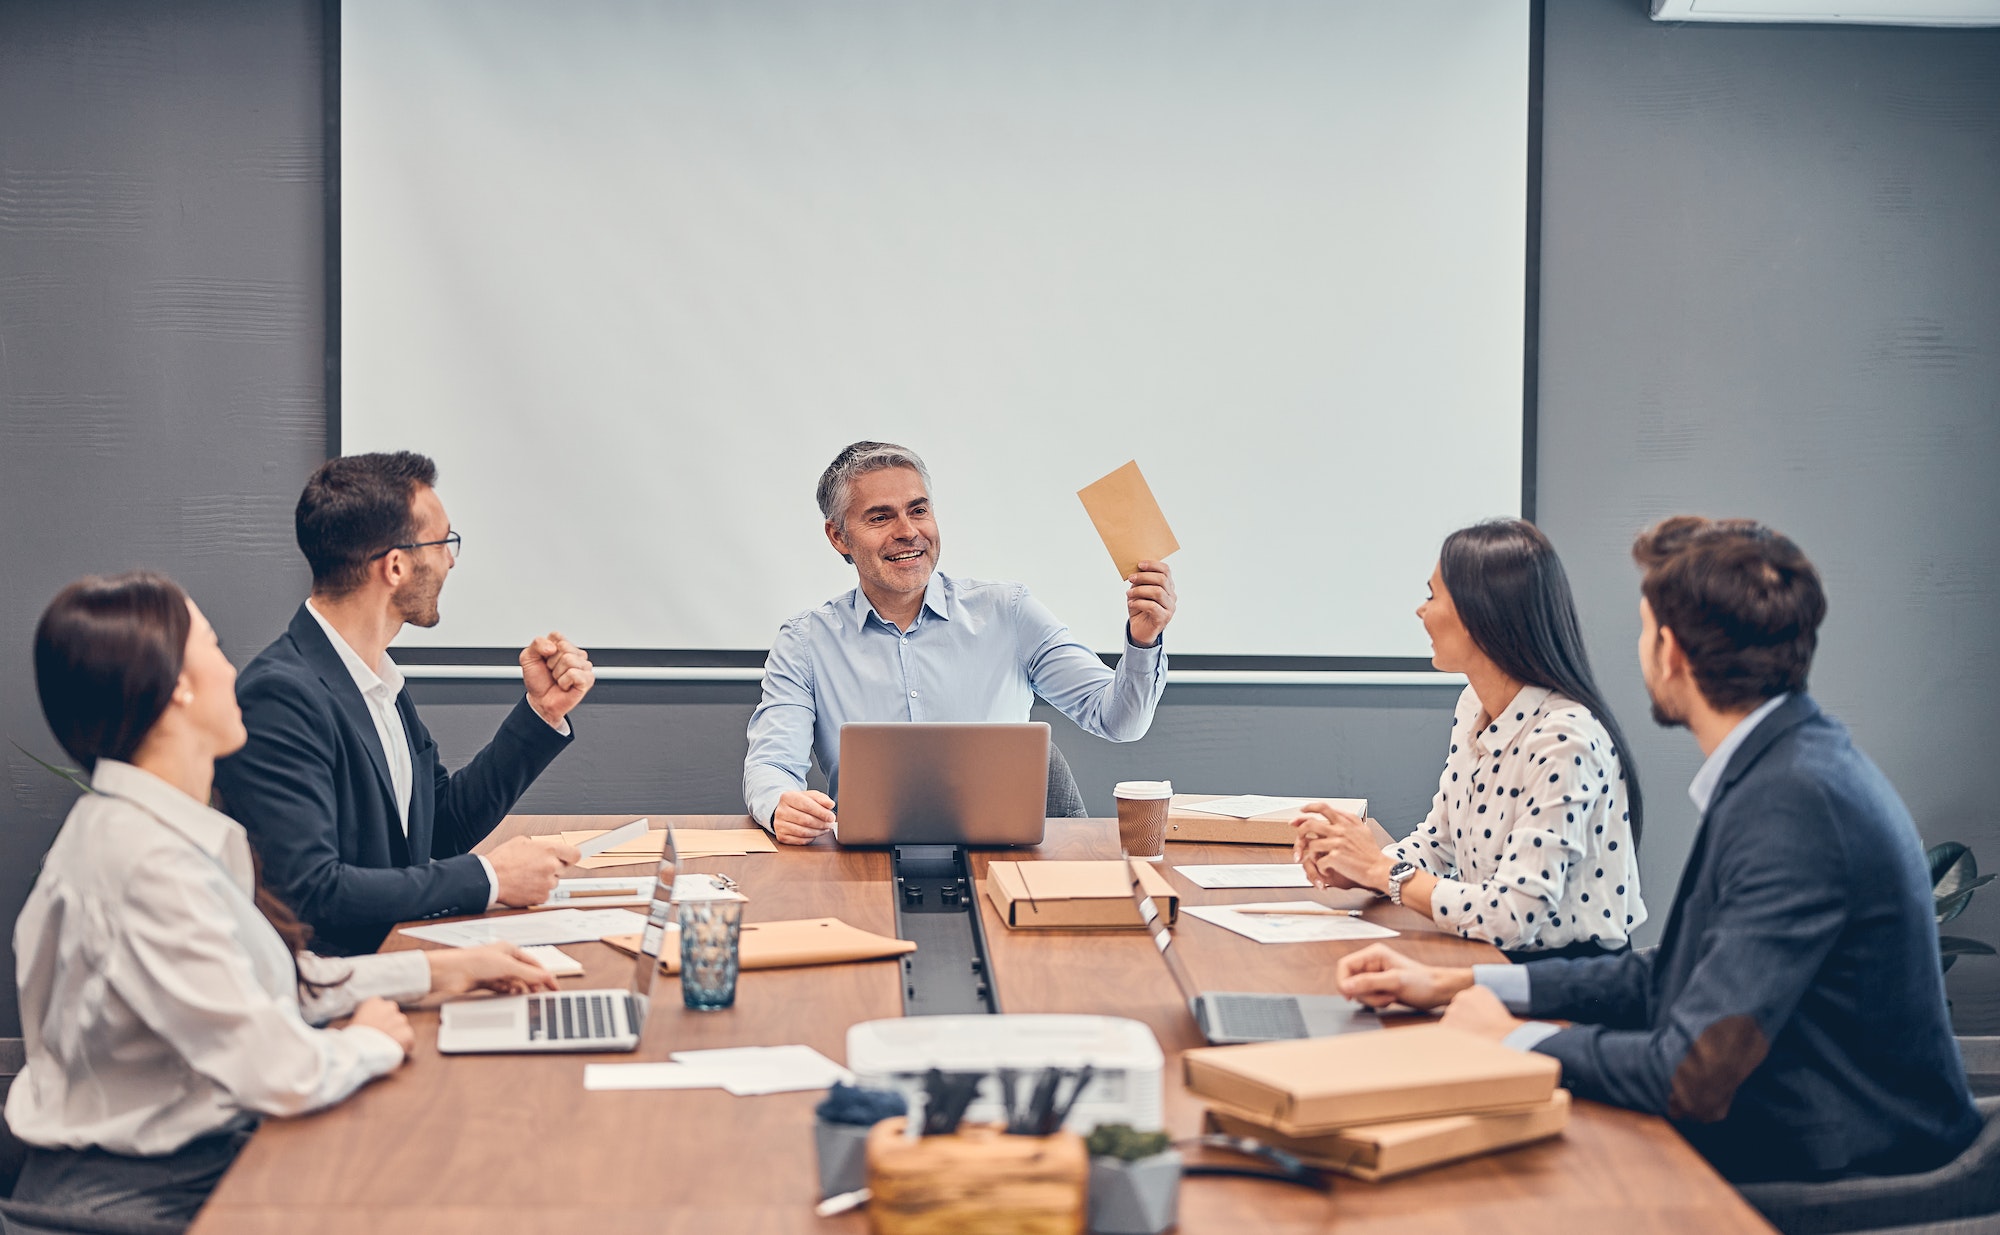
<point>711,932</point>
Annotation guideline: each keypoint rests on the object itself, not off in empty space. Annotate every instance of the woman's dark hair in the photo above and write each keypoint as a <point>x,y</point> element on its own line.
<point>1743,602</point>
<point>355,506</point>
<point>108,654</point>
<point>1512,593</point>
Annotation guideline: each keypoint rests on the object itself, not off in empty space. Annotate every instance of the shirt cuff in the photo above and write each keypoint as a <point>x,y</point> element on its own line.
<point>492,881</point>
<point>561,726</point>
<point>1148,656</point>
<point>1509,982</point>
<point>1528,1036</point>
<point>380,1054</point>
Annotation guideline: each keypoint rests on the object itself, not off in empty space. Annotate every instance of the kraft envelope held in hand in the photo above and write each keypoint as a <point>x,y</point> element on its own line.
<point>1128,519</point>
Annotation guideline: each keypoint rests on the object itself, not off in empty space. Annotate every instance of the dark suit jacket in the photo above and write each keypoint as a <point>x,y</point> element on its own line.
<point>1792,1021</point>
<point>312,789</point>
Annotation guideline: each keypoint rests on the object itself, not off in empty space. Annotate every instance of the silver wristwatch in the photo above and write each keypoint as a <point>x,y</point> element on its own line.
<point>1399,874</point>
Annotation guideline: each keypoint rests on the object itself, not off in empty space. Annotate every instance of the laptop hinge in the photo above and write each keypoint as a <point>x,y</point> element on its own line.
<point>937,908</point>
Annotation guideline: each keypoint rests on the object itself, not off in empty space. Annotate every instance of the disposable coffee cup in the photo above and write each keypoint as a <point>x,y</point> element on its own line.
<point>1142,817</point>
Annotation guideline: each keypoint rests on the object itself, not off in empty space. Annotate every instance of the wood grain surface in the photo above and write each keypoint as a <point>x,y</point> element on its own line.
<point>503,1143</point>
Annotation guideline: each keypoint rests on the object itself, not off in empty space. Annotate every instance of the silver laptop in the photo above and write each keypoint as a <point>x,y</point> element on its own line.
<point>1226,1017</point>
<point>607,1019</point>
<point>924,783</point>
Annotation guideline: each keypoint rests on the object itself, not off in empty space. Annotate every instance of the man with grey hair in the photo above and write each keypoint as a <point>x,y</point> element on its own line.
<point>912,643</point>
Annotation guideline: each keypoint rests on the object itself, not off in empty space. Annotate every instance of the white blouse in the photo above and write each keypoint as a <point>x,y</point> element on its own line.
<point>1530,836</point>
<point>157,1003</point>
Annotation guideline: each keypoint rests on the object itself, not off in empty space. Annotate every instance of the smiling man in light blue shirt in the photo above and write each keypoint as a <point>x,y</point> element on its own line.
<point>912,643</point>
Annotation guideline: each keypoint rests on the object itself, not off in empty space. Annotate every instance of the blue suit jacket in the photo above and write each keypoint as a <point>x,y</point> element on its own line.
<point>312,789</point>
<point>1792,1021</point>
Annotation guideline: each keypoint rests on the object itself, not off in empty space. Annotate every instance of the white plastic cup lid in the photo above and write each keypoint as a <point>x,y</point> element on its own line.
<point>1143,790</point>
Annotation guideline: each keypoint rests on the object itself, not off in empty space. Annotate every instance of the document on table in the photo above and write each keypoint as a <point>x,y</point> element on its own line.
<point>1247,805</point>
<point>1247,875</point>
<point>555,960</point>
<point>744,1071</point>
<point>1287,928</point>
<point>616,837</point>
<point>531,929</point>
<point>600,893</point>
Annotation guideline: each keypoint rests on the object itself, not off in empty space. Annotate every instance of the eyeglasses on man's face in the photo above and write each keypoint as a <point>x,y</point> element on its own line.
<point>451,544</point>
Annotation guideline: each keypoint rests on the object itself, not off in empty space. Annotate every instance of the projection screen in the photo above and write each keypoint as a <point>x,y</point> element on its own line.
<point>633,272</point>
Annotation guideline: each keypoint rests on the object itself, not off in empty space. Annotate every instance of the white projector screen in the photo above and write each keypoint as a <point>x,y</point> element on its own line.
<point>633,272</point>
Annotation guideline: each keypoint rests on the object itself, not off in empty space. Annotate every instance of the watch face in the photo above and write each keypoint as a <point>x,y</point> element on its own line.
<point>1402,870</point>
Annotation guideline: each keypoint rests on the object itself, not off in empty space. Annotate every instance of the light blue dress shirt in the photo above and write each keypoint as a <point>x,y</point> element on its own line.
<point>978,651</point>
<point>1510,982</point>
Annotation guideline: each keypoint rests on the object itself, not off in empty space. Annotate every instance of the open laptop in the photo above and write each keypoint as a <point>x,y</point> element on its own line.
<point>939,783</point>
<point>606,1019</point>
<point>1227,1017</point>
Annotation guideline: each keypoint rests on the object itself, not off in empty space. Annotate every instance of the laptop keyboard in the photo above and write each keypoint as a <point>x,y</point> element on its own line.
<point>1257,1018</point>
<point>572,1016</point>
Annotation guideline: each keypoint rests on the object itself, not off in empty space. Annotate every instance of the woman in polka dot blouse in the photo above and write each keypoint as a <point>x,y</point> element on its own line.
<point>1531,842</point>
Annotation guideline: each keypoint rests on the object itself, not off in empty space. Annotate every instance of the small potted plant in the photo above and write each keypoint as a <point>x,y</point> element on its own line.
<point>1135,1181</point>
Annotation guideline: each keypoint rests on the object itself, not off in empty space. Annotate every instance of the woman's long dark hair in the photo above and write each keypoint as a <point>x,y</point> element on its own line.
<point>1511,592</point>
<point>108,654</point>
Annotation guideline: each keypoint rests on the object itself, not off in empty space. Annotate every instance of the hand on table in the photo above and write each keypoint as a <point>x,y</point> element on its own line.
<point>1338,850</point>
<point>382,1015</point>
<point>527,868</point>
<point>1476,1010</point>
<point>802,815</point>
<point>1149,603</point>
<point>1379,976</point>
<point>501,967</point>
<point>558,674</point>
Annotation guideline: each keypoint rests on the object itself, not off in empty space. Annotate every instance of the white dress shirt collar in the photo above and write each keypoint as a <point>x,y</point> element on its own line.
<point>1702,787</point>
<point>367,679</point>
<point>937,598</point>
<point>1504,728</point>
<point>210,831</point>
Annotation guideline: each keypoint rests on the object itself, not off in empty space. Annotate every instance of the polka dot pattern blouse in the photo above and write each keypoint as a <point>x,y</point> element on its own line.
<point>1529,835</point>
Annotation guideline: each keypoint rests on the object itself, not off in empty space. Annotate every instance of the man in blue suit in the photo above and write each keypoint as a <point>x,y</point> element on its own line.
<point>1792,1021</point>
<point>357,822</point>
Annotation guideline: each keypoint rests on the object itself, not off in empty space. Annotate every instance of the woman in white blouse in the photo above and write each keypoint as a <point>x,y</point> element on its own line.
<point>166,999</point>
<point>1531,842</point>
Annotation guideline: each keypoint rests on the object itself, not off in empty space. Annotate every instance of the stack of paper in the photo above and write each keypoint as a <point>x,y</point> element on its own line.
<point>531,929</point>
<point>1312,923</point>
<point>1247,875</point>
<point>742,1070</point>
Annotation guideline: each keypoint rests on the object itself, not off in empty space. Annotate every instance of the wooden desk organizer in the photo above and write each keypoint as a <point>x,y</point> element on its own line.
<point>976,1180</point>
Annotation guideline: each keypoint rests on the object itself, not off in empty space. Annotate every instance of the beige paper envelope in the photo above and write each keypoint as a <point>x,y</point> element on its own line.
<point>722,843</point>
<point>1127,519</point>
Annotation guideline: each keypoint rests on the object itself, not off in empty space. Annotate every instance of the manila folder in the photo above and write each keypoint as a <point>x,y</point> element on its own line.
<point>790,945</point>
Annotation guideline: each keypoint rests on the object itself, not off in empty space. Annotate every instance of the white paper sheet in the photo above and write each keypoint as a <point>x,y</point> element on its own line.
<point>750,1070</point>
<point>530,929</point>
<point>1248,875</point>
<point>1289,928</point>
<point>1244,806</point>
<point>744,1071</point>
<point>612,839</point>
<point>555,960</point>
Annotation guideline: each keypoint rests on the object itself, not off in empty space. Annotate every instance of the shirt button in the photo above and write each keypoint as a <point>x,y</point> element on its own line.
<point>913,694</point>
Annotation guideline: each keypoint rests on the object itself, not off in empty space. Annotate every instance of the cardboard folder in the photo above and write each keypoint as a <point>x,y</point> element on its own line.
<point>688,842</point>
<point>787,945</point>
<point>1319,1085</point>
<point>1274,828</point>
<point>1078,894</point>
<point>1385,1150</point>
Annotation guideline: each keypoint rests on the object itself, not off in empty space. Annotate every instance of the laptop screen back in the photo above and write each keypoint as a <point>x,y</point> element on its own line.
<point>943,783</point>
<point>1163,939</point>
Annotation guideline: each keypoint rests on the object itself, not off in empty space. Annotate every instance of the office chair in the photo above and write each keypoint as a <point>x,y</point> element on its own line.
<point>1966,1188</point>
<point>1065,799</point>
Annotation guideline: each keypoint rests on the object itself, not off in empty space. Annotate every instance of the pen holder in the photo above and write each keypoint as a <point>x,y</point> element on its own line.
<point>977,1180</point>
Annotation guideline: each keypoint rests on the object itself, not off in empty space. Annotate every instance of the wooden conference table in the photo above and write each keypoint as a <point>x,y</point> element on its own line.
<point>504,1143</point>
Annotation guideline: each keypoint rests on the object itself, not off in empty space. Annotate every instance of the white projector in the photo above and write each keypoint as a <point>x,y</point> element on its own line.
<point>1124,1056</point>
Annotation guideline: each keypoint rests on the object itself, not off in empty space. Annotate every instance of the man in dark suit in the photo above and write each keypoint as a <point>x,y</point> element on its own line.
<point>1792,1022</point>
<point>357,822</point>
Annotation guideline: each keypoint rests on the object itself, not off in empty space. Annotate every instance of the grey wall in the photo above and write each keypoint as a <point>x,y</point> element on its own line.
<point>1768,288</point>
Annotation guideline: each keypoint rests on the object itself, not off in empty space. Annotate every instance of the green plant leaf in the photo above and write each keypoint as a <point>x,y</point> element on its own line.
<point>1959,945</point>
<point>1951,906</point>
<point>1953,869</point>
<point>69,774</point>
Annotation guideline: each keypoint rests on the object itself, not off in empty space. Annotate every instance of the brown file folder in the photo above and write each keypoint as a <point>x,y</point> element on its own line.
<point>788,945</point>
